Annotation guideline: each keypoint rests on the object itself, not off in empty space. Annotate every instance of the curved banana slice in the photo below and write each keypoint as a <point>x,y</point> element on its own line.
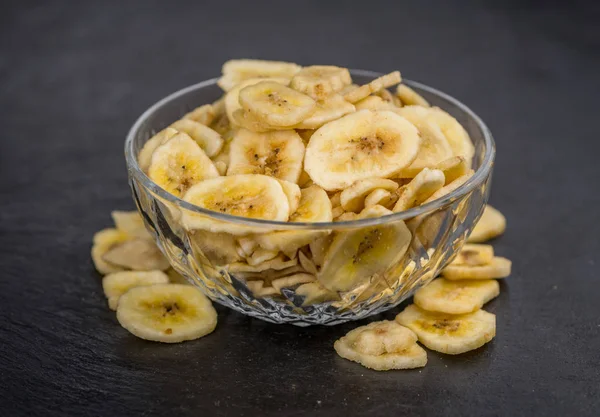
<point>248,245</point>
<point>424,185</point>
<point>356,255</point>
<point>293,194</point>
<point>457,136</point>
<point>168,313</point>
<point>253,196</point>
<point>499,267</point>
<point>449,333</point>
<point>130,223</point>
<point>204,114</point>
<point>314,207</point>
<point>382,346</point>
<point>345,217</point>
<point>292,281</point>
<point>377,84</point>
<point>474,254</point>
<point>103,241</point>
<point>491,224</point>
<point>410,97</point>
<point>136,254</point>
<point>353,197</point>
<point>247,120</point>
<point>237,70</point>
<point>381,197</point>
<point>118,283</point>
<point>277,263</point>
<point>218,248</point>
<point>260,256</point>
<point>373,103</point>
<point>307,263</point>
<point>232,101</point>
<point>319,81</point>
<point>145,155</point>
<point>275,104</point>
<point>388,97</point>
<point>180,163</point>
<point>209,140</point>
<point>360,145</point>
<point>434,145</point>
<point>277,154</point>
<point>448,188</point>
<point>319,247</point>
<point>330,108</point>
<point>315,293</point>
<point>456,297</point>
<point>453,168</point>
<point>335,199</point>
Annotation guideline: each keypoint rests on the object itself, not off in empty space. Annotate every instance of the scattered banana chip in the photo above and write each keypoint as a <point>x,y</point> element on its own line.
<point>320,81</point>
<point>360,145</point>
<point>474,254</point>
<point>377,84</point>
<point>410,97</point>
<point>449,333</point>
<point>420,189</point>
<point>275,104</point>
<point>353,197</point>
<point>382,346</point>
<point>105,240</point>
<point>456,297</point>
<point>168,313</point>
<point>130,223</point>
<point>238,70</point>
<point>136,254</point>
<point>118,283</point>
<point>491,224</point>
<point>499,267</point>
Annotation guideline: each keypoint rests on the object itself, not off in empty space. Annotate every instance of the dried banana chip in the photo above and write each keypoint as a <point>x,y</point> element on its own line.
<point>382,346</point>
<point>449,333</point>
<point>474,254</point>
<point>118,283</point>
<point>353,197</point>
<point>136,254</point>
<point>491,224</point>
<point>410,97</point>
<point>499,267</point>
<point>204,114</point>
<point>103,241</point>
<point>168,313</point>
<point>420,189</point>
<point>456,297</point>
<point>377,84</point>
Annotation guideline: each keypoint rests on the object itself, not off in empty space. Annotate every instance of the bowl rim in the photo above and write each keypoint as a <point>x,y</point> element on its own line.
<point>478,177</point>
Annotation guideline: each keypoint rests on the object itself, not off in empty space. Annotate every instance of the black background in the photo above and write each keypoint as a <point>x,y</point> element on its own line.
<point>75,75</point>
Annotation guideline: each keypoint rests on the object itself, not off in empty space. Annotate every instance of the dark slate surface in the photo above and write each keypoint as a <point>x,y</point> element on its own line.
<point>74,76</point>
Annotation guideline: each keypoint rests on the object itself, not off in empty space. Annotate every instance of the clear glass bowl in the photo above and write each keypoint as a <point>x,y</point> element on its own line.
<point>438,229</point>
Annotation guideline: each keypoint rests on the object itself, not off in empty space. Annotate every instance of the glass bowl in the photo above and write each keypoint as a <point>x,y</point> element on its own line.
<point>437,231</point>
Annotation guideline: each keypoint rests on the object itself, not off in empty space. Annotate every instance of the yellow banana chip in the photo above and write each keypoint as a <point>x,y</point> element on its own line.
<point>449,333</point>
<point>491,224</point>
<point>499,267</point>
<point>456,297</point>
